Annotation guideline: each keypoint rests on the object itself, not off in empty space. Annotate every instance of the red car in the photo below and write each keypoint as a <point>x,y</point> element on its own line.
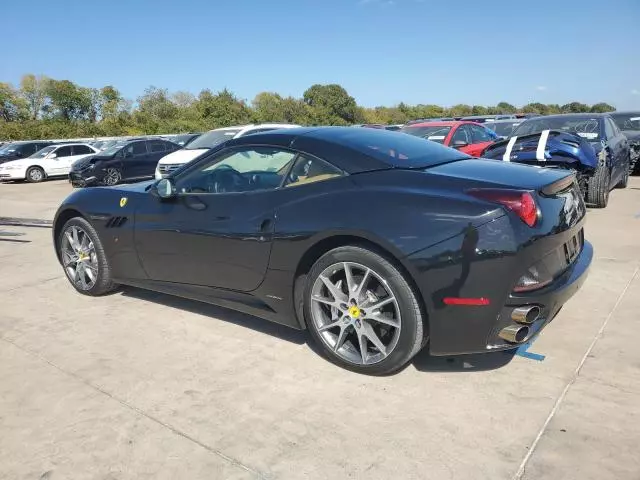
<point>468,137</point>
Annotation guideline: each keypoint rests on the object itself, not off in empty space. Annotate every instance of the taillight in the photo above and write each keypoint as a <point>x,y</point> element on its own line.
<point>519,202</point>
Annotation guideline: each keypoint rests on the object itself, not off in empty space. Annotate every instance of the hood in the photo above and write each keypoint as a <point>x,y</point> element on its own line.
<point>182,156</point>
<point>547,148</point>
<point>89,159</point>
<point>15,163</point>
<point>139,187</point>
<point>632,135</point>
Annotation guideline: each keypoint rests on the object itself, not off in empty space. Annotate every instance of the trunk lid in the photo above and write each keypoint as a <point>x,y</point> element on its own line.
<point>499,174</point>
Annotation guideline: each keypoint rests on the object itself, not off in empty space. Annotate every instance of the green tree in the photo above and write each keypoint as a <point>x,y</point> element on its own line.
<point>222,109</point>
<point>504,107</point>
<point>33,90</point>
<point>575,107</point>
<point>460,110</point>
<point>479,110</point>
<point>67,101</point>
<point>331,105</point>
<point>12,106</point>
<point>602,108</point>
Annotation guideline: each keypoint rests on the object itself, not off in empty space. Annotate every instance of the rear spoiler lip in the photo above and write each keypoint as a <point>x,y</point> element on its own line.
<point>559,185</point>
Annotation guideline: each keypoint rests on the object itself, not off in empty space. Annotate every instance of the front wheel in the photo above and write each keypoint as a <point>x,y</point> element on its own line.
<point>598,188</point>
<point>83,258</point>
<point>35,175</point>
<point>112,176</point>
<point>362,312</point>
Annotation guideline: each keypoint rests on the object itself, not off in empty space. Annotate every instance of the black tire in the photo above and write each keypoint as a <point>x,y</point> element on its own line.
<point>598,188</point>
<point>413,326</point>
<point>112,176</point>
<point>35,175</point>
<point>103,283</point>
<point>624,182</point>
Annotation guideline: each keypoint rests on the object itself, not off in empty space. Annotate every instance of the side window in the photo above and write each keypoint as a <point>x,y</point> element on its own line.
<point>63,152</point>
<point>81,150</point>
<point>461,135</point>
<point>139,148</point>
<point>29,149</point>
<point>239,170</point>
<point>310,169</point>
<point>608,129</point>
<point>157,146</point>
<point>479,134</point>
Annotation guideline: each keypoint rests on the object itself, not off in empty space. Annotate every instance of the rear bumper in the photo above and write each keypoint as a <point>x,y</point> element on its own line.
<point>489,271</point>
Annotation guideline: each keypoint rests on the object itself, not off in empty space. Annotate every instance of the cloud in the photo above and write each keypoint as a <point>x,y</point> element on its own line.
<point>541,88</point>
<point>635,92</point>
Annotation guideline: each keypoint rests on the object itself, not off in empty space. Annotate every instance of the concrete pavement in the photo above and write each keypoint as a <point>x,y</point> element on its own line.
<point>142,385</point>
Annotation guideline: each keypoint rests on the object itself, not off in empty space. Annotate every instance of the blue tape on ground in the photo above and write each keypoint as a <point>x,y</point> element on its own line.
<point>523,351</point>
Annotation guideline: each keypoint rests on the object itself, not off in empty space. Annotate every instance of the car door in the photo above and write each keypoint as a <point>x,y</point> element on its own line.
<point>620,151</point>
<point>217,231</point>
<point>156,150</point>
<point>481,138</point>
<point>461,138</point>
<point>612,144</point>
<point>135,160</point>
<point>57,162</point>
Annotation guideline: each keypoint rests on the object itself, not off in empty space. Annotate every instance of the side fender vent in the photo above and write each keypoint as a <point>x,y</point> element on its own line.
<point>116,222</point>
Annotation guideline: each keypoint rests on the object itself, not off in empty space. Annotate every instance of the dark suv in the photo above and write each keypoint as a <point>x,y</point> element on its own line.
<point>17,150</point>
<point>129,160</point>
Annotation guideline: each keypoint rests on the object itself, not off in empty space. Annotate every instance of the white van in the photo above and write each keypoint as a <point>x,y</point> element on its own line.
<point>207,141</point>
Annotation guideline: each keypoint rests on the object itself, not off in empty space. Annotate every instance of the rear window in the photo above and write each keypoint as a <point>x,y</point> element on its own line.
<point>395,148</point>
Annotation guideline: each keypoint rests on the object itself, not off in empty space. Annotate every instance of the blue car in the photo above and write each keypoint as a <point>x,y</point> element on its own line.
<point>590,144</point>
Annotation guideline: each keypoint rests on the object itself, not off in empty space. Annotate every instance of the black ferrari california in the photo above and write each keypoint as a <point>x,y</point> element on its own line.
<point>377,242</point>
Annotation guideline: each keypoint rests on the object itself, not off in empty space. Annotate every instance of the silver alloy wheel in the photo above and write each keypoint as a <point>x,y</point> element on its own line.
<point>79,258</point>
<point>35,174</point>
<point>355,312</point>
<point>112,176</point>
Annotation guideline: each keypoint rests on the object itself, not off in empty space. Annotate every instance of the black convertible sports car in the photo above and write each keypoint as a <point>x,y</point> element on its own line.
<point>377,242</point>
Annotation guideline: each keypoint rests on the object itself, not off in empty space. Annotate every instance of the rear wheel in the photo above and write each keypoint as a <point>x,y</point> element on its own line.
<point>83,258</point>
<point>598,188</point>
<point>362,312</point>
<point>35,175</point>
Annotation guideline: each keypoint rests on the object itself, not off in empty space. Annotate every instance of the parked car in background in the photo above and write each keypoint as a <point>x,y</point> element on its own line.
<point>468,254</point>
<point>527,115</point>
<point>487,118</point>
<point>18,150</point>
<point>183,139</point>
<point>590,144</point>
<point>373,125</point>
<point>629,125</point>
<point>393,128</point>
<point>52,161</point>
<point>127,161</point>
<point>503,128</point>
<point>468,137</point>
<point>207,141</point>
<point>425,120</point>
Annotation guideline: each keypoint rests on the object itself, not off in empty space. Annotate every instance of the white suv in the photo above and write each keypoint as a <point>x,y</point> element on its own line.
<point>52,161</point>
<point>207,141</point>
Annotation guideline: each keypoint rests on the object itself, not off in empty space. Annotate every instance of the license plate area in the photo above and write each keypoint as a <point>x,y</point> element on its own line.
<point>573,247</point>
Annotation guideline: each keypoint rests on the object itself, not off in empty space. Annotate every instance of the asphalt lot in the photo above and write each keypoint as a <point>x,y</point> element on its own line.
<point>139,385</point>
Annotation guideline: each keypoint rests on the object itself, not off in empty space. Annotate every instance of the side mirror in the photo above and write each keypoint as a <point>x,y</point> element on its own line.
<point>53,155</point>
<point>165,188</point>
<point>459,144</point>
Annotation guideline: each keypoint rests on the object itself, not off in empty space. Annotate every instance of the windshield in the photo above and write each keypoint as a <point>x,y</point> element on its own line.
<point>43,153</point>
<point>503,129</point>
<point>586,127</point>
<point>212,138</point>
<point>627,121</point>
<point>182,139</point>
<point>113,149</point>
<point>433,133</point>
<point>8,148</point>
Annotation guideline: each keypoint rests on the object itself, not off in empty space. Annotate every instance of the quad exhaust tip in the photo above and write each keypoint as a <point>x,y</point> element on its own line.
<point>514,333</point>
<point>525,315</point>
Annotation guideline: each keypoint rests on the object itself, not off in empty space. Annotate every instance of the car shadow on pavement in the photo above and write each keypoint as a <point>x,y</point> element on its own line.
<point>479,362</point>
<point>282,332</point>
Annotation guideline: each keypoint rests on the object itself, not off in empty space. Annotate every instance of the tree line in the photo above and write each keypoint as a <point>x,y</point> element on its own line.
<point>42,107</point>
